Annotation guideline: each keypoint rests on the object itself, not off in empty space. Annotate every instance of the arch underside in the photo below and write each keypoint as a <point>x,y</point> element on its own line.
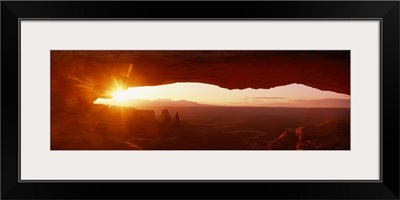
<point>89,73</point>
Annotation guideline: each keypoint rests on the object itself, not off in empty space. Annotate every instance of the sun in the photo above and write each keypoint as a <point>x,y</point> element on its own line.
<point>120,95</point>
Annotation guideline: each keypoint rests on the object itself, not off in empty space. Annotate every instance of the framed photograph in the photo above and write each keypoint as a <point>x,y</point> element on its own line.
<point>117,98</point>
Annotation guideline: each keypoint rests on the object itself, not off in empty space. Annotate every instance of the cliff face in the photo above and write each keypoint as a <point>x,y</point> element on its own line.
<point>123,120</point>
<point>82,76</point>
<point>331,135</point>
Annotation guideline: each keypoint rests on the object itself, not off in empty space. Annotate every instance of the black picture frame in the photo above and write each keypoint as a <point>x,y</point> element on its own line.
<point>386,11</point>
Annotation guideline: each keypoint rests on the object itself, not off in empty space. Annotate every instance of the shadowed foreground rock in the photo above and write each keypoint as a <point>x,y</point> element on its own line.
<point>331,135</point>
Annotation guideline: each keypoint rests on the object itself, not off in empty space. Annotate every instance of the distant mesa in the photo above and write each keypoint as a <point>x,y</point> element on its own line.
<point>331,135</point>
<point>124,120</point>
<point>123,114</point>
<point>128,122</point>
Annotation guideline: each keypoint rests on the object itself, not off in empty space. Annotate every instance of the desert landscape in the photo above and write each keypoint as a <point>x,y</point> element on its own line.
<point>212,100</point>
<point>202,128</point>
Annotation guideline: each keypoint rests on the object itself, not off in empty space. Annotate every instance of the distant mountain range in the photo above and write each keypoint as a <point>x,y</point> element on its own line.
<point>164,103</point>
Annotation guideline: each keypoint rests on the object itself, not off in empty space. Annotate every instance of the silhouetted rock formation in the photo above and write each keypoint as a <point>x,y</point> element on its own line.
<point>165,118</point>
<point>331,135</point>
<point>177,120</point>
<point>127,120</point>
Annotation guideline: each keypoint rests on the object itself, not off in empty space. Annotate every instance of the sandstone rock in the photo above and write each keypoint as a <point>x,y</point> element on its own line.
<point>287,141</point>
<point>325,70</point>
<point>331,135</point>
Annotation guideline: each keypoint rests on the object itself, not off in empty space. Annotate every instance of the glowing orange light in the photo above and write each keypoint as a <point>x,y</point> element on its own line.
<point>120,95</point>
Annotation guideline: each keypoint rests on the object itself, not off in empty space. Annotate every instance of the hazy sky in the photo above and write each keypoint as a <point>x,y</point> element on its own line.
<point>293,95</point>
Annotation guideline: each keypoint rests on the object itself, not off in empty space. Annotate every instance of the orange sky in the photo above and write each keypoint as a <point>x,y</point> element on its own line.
<point>293,95</point>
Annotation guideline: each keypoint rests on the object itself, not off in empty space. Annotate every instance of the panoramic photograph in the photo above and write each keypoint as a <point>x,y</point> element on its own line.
<point>200,100</point>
